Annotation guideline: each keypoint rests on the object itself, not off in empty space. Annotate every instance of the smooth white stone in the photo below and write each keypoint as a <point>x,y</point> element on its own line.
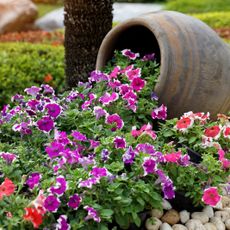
<point>223,215</point>
<point>195,225</point>
<point>166,205</point>
<point>210,226</point>
<point>153,223</point>
<point>157,213</point>
<point>184,216</point>
<point>200,216</point>
<point>227,224</point>
<point>218,223</point>
<point>165,226</point>
<point>179,227</point>
<point>209,211</point>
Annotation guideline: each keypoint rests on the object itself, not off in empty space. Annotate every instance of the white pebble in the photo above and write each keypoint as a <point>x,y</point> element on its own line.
<point>200,216</point>
<point>209,211</point>
<point>184,216</point>
<point>165,226</point>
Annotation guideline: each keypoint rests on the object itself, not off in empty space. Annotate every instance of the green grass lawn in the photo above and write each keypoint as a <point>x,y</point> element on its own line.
<point>46,8</point>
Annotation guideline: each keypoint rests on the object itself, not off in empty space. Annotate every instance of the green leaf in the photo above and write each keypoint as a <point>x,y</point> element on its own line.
<point>106,213</point>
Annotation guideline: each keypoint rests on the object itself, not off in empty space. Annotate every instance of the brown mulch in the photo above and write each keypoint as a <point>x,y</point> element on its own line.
<point>38,36</point>
<point>224,32</point>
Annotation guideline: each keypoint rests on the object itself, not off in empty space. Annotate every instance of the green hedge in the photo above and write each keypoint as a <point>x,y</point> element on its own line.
<point>197,6</point>
<point>215,19</point>
<point>23,65</point>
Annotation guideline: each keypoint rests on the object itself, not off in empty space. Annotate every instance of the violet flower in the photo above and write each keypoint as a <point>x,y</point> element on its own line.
<point>74,201</point>
<point>62,223</point>
<point>149,165</point>
<point>129,156</point>
<point>8,157</point>
<point>99,172</point>
<point>160,113</point>
<point>78,136</point>
<point>54,110</point>
<point>88,183</point>
<point>33,180</point>
<point>92,214</point>
<point>129,54</point>
<point>60,186</point>
<point>33,91</point>
<point>45,124</point>
<point>54,149</point>
<point>116,120</point>
<point>52,203</point>
<point>119,142</point>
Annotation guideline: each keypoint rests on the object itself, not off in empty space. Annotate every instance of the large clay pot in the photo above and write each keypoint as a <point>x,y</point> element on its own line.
<point>194,61</point>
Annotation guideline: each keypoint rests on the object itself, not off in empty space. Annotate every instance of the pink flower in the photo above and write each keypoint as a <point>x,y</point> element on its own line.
<point>116,120</point>
<point>226,131</point>
<point>129,54</point>
<point>211,196</point>
<point>224,161</point>
<point>160,113</point>
<point>184,123</point>
<point>138,84</point>
<point>107,98</point>
<point>213,132</point>
<point>115,72</point>
<point>133,73</point>
<point>145,129</point>
<point>38,203</point>
<point>173,157</point>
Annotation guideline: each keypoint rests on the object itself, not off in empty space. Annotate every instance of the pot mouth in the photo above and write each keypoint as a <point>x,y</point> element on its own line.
<point>132,34</point>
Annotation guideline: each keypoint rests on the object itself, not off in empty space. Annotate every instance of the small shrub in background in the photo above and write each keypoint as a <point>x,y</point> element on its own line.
<point>197,6</point>
<point>24,64</point>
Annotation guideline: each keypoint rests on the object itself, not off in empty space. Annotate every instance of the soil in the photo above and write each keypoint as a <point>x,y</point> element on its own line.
<point>224,32</point>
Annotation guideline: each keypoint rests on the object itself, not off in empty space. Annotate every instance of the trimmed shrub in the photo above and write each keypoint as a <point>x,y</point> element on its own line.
<point>215,19</point>
<point>196,6</point>
<point>24,64</point>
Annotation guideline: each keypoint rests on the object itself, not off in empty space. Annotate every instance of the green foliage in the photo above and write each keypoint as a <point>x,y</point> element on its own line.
<point>215,19</point>
<point>23,65</point>
<point>44,8</point>
<point>196,6</point>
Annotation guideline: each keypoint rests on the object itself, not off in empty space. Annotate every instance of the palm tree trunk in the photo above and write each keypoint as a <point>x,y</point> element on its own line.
<point>86,24</point>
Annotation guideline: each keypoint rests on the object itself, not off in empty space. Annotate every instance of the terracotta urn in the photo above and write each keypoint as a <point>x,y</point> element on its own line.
<point>194,61</point>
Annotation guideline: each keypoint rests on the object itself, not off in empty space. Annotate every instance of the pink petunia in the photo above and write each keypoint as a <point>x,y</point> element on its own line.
<point>129,54</point>
<point>160,113</point>
<point>116,120</point>
<point>213,132</point>
<point>184,123</point>
<point>138,84</point>
<point>211,196</point>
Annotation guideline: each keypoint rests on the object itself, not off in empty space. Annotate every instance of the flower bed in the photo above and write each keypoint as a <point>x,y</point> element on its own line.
<point>90,158</point>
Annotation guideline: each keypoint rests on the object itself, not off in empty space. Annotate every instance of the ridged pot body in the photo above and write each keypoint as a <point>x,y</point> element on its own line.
<point>194,61</point>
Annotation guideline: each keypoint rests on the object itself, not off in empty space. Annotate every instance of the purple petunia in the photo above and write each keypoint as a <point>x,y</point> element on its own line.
<point>8,157</point>
<point>74,201</point>
<point>87,103</point>
<point>148,57</point>
<point>78,136</point>
<point>119,142</point>
<point>33,91</point>
<point>45,124</point>
<point>116,120</point>
<point>61,137</point>
<point>160,113</point>
<point>62,223</point>
<point>115,72</point>
<point>105,155</point>
<point>54,149</point>
<point>23,128</point>
<point>97,76</point>
<point>92,214</point>
<point>88,183</point>
<point>99,172</point>
<point>149,165</point>
<point>129,54</point>
<point>146,148</point>
<point>54,110</point>
<point>99,112</point>
<point>154,96</point>
<point>60,186</point>
<point>33,180</point>
<point>52,203</point>
<point>129,156</point>
<point>71,156</point>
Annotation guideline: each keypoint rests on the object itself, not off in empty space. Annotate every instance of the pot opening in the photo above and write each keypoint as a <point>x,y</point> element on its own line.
<point>139,39</point>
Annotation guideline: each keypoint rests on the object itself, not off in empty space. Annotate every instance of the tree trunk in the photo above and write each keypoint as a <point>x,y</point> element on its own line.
<point>86,24</point>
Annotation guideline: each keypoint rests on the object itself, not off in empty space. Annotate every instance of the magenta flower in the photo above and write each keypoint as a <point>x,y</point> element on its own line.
<point>88,183</point>
<point>168,189</point>
<point>71,156</point>
<point>33,91</point>
<point>54,110</point>
<point>94,144</point>
<point>62,223</point>
<point>98,76</point>
<point>33,180</point>
<point>52,203</point>
<point>45,124</point>
<point>129,156</point>
<point>138,84</point>
<point>17,98</point>
<point>60,186</point>
<point>160,113</point>
<point>115,72</point>
<point>74,201</point>
<point>132,105</point>
<point>149,165</point>
<point>146,148</point>
<point>130,95</point>
<point>211,196</point>
<point>33,104</point>
<point>78,136</point>
<point>124,88</point>
<point>61,137</point>
<point>114,84</point>
<point>115,120</point>
<point>148,57</point>
<point>92,214</point>
<point>107,98</point>
<point>99,112</point>
<point>23,128</point>
<point>133,73</point>
<point>119,142</point>
<point>54,149</point>
<point>99,172</point>
<point>184,160</point>
<point>86,161</point>
<point>47,89</point>
<point>8,157</point>
<point>86,104</point>
<point>129,54</point>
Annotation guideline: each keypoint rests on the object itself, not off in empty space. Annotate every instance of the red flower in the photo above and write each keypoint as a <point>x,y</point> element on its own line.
<point>226,132</point>
<point>211,196</point>
<point>184,123</point>
<point>34,216</point>
<point>213,132</point>
<point>48,78</point>
<point>6,188</point>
